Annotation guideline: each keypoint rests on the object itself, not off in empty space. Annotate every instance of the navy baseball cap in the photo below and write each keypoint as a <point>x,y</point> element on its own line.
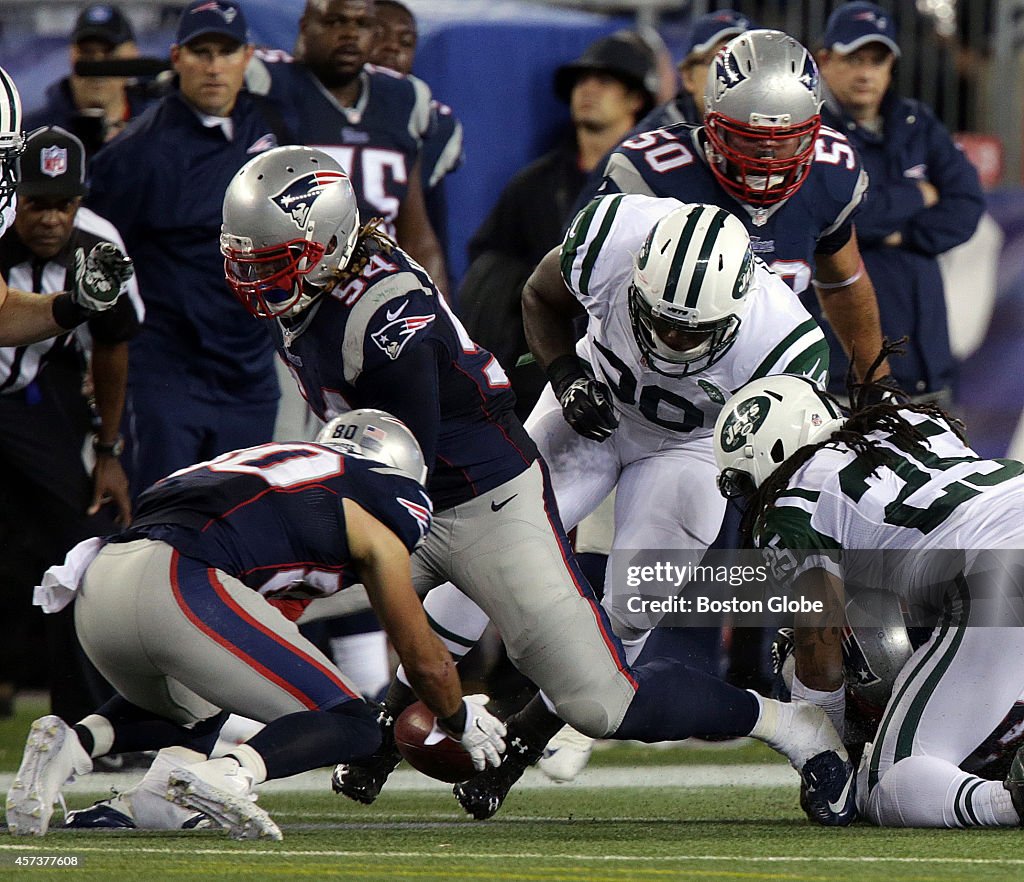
<point>52,166</point>
<point>857,24</point>
<point>204,17</point>
<point>102,22</point>
<point>715,27</point>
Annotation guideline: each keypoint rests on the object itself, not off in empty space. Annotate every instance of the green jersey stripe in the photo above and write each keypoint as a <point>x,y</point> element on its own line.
<point>773,357</point>
<point>597,243</point>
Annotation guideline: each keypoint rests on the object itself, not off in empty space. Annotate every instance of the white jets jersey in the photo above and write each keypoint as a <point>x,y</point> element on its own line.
<point>938,496</point>
<point>777,335</point>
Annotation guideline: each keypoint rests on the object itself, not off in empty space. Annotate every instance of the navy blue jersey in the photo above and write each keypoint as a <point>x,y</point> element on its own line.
<point>787,235</point>
<point>272,515</point>
<point>385,338</point>
<point>377,142</point>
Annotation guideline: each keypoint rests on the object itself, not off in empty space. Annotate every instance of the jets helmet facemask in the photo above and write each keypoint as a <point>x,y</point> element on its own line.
<point>764,424</point>
<point>763,89</point>
<point>290,227</point>
<point>688,293</point>
<point>376,435</point>
<point>12,138</point>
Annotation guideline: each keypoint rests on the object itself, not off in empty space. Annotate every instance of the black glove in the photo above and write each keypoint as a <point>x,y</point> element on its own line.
<point>586,404</point>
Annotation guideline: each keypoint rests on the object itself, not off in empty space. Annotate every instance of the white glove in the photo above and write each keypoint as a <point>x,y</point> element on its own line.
<point>100,276</point>
<point>484,735</point>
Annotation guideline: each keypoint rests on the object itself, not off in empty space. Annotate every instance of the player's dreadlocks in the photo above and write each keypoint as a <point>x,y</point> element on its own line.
<point>872,409</point>
<point>371,240</point>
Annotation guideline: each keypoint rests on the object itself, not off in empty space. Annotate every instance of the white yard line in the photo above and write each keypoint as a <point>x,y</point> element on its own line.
<point>754,775</point>
<point>448,854</point>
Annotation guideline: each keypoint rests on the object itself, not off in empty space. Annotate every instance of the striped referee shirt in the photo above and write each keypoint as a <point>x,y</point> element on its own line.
<point>20,365</point>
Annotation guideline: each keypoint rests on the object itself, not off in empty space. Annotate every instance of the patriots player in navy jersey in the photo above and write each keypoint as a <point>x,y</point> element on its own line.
<point>189,611</point>
<point>372,120</point>
<point>764,155</point>
<point>361,324</point>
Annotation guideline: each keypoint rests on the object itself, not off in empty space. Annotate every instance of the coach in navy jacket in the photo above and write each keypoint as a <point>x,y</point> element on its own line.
<point>202,378</point>
<point>924,197</point>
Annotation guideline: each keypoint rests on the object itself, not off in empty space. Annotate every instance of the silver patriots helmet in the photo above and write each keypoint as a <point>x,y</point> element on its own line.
<point>377,435</point>
<point>290,226</point>
<point>762,102</point>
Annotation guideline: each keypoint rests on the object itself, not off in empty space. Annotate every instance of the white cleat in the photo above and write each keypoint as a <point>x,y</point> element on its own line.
<point>223,790</point>
<point>566,755</point>
<point>53,756</point>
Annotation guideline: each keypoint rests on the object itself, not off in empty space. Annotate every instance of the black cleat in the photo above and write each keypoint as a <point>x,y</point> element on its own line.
<point>1014,783</point>
<point>828,790</point>
<point>363,780</point>
<point>482,795</point>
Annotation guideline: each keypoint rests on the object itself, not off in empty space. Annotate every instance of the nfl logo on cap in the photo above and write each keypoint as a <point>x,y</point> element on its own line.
<point>53,161</point>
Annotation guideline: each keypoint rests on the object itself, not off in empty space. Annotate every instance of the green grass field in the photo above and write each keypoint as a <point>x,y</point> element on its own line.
<point>567,833</point>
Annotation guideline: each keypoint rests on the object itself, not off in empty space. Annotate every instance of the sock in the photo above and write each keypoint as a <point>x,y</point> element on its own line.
<point>312,739</point>
<point>399,697</point>
<point>131,729</point>
<point>673,702</point>
<point>95,734</point>
<point>926,791</point>
<point>534,724</point>
<point>364,659</point>
<point>249,758</point>
<point>633,648</point>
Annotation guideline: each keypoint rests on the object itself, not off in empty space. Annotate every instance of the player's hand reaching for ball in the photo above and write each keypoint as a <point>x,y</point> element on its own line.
<point>483,736</point>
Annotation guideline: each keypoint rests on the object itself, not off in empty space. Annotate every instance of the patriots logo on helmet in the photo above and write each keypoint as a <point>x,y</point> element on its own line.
<point>393,337</point>
<point>728,73</point>
<point>855,662</point>
<point>298,197</point>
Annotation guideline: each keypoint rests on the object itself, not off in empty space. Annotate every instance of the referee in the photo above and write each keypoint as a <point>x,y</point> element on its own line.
<point>61,402</point>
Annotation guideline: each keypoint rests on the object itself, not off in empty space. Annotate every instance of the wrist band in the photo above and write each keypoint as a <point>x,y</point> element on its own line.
<point>67,313</point>
<point>831,286</point>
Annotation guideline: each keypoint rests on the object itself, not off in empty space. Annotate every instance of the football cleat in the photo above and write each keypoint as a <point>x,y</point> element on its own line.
<point>362,780</point>
<point>53,756</point>
<point>1014,783</point>
<point>483,794</point>
<point>106,814</point>
<point>223,790</point>
<point>828,792</point>
<point>566,755</point>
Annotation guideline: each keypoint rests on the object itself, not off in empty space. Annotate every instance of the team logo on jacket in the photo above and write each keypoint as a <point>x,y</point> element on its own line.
<point>53,161</point>
<point>296,200</point>
<point>399,330</point>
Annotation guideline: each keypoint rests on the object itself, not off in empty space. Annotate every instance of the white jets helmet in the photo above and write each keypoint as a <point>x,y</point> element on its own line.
<point>689,288</point>
<point>12,138</point>
<point>290,225</point>
<point>764,424</point>
<point>377,435</point>
<point>762,85</point>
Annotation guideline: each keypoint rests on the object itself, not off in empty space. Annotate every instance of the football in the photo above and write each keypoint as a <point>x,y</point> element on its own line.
<point>429,751</point>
